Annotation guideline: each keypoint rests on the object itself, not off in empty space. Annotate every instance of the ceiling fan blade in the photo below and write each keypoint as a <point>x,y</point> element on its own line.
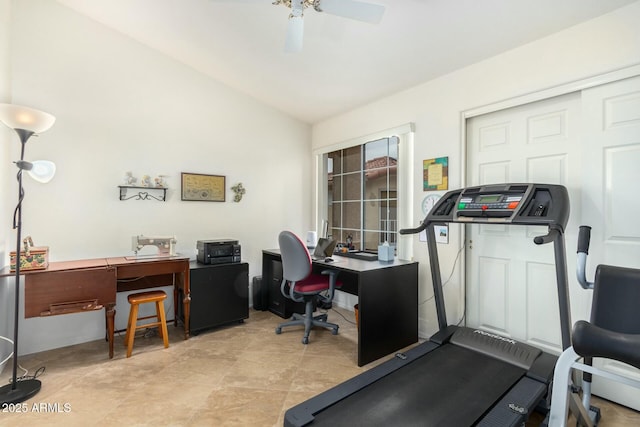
<point>360,11</point>
<point>295,31</point>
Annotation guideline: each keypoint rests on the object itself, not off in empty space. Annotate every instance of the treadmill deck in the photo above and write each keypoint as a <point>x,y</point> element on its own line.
<point>450,386</point>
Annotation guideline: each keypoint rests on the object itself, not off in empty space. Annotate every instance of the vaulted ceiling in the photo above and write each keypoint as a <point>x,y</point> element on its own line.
<point>343,63</point>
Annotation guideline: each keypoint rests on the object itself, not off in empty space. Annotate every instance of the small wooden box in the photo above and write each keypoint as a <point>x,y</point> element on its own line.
<point>38,259</point>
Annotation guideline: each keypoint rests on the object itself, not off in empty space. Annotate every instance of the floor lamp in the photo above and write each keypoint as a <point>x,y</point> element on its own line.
<point>26,122</point>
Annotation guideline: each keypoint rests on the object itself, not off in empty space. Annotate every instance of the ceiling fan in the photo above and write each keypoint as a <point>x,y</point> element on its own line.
<point>357,10</point>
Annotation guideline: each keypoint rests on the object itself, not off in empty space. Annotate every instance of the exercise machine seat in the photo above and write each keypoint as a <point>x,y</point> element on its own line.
<point>614,329</point>
<point>301,284</point>
<point>592,341</point>
<point>613,333</point>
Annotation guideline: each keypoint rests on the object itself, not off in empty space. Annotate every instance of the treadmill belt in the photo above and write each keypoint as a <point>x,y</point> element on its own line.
<point>450,386</point>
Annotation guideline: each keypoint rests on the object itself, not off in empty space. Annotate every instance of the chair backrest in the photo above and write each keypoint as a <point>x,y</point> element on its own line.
<point>616,294</point>
<point>296,261</point>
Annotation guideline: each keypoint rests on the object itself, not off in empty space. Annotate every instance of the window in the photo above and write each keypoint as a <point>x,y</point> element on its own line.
<point>362,194</point>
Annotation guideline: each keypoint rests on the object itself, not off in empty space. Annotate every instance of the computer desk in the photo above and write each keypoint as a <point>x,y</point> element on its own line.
<point>387,299</point>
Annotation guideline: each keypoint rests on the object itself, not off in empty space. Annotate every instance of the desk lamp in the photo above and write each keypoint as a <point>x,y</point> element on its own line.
<point>26,122</point>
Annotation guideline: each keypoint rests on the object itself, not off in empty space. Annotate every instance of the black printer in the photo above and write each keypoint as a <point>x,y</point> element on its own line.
<point>219,251</point>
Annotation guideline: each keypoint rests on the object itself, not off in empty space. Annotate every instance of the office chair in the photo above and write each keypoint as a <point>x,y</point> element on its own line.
<point>613,332</point>
<point>300,284</point>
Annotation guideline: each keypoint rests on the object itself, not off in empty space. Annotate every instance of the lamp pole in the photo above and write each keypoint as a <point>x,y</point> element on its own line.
<point>18,391</point>
<point>26,122</point>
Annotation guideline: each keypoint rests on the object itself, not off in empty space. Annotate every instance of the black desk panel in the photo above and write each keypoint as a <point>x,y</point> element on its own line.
<point>387,300</point>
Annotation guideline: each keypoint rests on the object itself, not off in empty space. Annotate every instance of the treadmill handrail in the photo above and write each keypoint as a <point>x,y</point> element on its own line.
<point>547,238</point>
<point>584,239</point>
<point>416,230</point>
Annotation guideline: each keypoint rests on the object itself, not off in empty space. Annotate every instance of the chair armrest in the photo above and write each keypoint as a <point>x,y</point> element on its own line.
<point>333,283</point>
<point>290,294</point>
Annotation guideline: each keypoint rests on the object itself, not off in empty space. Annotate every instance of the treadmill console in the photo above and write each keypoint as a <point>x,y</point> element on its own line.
<point>527,204</point>
<point>497,205</point>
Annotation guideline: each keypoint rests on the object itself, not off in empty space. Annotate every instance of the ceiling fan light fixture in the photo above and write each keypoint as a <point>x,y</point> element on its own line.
<point>305,3</point>
<point>352,9</point>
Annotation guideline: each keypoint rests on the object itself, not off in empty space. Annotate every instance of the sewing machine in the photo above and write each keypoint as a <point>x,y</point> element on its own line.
<point>166,245</point>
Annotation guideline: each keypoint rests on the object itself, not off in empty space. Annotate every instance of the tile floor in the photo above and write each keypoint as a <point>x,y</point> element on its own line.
<point>242,375</point>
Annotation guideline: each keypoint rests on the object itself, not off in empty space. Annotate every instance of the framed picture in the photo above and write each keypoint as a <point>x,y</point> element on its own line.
<point>202,188</point>
<point>435,174</point>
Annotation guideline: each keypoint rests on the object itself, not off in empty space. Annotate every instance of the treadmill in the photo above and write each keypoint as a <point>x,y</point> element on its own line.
<point>461,376</point>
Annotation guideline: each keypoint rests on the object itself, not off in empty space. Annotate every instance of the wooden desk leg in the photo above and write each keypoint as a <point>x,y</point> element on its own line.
<point>186,305</point>
<point>175,304</point>
<point>110,313</point>
<point>183,283</point>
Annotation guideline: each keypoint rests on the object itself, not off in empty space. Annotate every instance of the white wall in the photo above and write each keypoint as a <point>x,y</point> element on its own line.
<point>121,106</point>
<point>436,107</point>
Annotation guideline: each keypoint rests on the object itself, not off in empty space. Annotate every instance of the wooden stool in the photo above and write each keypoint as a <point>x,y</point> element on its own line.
<point>141,298</point>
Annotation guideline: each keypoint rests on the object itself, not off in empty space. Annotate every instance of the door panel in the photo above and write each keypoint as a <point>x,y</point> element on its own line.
<point>621,165</point>
<point>494,294</point>
<point>541,299</point>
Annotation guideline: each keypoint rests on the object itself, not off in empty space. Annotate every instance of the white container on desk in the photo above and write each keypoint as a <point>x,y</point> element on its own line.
<point>385,252</point>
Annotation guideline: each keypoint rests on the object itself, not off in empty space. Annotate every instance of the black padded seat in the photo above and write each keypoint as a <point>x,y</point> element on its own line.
<point>614,330</point>
<point>592,341</point>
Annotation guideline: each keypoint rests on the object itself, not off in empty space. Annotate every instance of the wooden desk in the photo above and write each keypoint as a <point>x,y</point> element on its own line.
<point>387,299</point>
<point>64,284</point>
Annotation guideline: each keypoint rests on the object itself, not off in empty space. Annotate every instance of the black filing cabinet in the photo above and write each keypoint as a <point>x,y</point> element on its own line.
<point>272,280</point>
<point>219,295</point>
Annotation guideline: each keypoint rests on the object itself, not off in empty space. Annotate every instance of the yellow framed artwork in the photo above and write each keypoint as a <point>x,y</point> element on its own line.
<point>202,188</point>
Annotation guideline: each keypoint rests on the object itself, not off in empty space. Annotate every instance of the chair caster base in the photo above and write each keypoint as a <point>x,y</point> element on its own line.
<point>334,331</point>
<point>278,331</point>
<point>305,340</point>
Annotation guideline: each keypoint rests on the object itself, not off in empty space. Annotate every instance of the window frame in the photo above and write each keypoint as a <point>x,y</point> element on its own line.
<point>360,205</point>
<point>405,179</point>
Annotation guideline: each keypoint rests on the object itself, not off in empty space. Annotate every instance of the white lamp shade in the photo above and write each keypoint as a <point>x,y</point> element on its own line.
<point>42,170</point>
<point>20,117</point>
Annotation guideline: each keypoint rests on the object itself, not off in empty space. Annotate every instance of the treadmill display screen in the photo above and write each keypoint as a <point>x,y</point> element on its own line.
<point>489,198</point>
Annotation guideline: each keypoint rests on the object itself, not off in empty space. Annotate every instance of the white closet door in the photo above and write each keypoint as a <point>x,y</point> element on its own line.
<point>589,142</point>
<point>511,282</point>
<point>610,197</point>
